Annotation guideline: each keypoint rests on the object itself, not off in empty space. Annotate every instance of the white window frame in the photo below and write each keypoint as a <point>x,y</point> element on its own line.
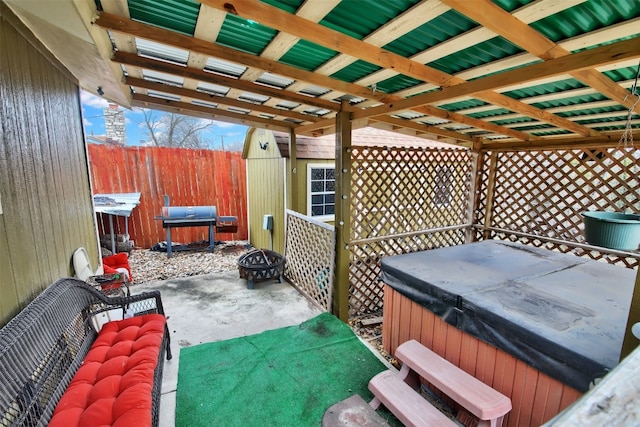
<point>310,167</point>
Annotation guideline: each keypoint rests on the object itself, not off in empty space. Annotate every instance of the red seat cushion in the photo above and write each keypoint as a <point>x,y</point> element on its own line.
<point>120,260</point>
<point>114,383</point>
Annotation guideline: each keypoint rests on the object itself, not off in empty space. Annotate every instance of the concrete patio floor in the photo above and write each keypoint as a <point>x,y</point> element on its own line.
<point>217,307</point>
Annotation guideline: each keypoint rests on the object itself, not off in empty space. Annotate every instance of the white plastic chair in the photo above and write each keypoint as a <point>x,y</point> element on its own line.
<point>83,270</point>
<point>82,266</point>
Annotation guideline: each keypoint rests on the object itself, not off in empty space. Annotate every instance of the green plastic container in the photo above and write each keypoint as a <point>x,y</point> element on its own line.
<point>613,230</point>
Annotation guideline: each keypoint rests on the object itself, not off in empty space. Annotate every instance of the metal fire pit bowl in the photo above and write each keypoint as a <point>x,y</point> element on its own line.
<point>260,265</point>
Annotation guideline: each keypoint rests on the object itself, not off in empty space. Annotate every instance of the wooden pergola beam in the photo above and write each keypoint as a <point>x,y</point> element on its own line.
<point>498,20</point>
<point>577,62</point>
<point>431,130</point>
<point>146,101</point>
<point>204,76</point>
<point>170,38</point>
<point>127,26</point>
<point>283,21</point>
<point>179,91</point>
<point>604,140</point>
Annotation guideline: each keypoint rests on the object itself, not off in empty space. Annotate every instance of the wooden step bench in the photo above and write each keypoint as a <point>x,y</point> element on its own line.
<point>403,402</point>
<point>479,399</point>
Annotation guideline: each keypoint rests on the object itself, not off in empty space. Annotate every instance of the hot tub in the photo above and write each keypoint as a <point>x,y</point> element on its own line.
<point>537,325</point>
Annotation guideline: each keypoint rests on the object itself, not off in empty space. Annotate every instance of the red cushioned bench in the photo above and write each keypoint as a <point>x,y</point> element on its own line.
<point>58,368</point>
<point>397,391</point>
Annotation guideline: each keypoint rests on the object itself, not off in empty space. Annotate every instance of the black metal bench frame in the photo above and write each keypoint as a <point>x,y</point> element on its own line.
<point>43,346</point>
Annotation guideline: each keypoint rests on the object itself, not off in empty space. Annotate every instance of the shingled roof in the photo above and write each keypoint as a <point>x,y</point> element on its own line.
<point>323,147</point>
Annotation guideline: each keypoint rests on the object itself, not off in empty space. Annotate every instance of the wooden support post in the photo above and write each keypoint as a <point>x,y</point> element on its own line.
<point>630,341</point>
<point>477,161</point>
<point>292,174</point>
<point>343,213</point>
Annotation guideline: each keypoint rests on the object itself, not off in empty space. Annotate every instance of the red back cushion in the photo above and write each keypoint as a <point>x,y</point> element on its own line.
<point>120,260</point>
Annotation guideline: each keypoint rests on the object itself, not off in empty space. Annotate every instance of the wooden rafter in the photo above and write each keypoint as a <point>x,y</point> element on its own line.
<point>573,63</point>
<point>146,101</point>
<point>220,100</point>
<point>529,13</point>
<point>169,38</point>
<point>510,27</point>
<point>282,42</point>
<point>126,26</point>
<point>204,76</point>
<point>431,130</point>
<point>408,21</point>
<point>282,21</point>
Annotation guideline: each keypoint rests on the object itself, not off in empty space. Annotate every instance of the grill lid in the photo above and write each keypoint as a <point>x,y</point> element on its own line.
<point>189,212</point>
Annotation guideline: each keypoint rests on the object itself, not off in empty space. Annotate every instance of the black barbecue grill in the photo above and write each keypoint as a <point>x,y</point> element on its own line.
<point>196,216</point>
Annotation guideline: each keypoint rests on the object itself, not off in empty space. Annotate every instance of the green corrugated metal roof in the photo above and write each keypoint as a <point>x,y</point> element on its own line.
<point>545,89</point>
<point>396,83</point>
<point>356,71</point>
<point>175,15</point>
<point>552,132</point>
<point>622,74</point>
<point>359,18</point>
<point>586,110</point>
<point>491,113</point>
<point>307,55</point>
<point>511,5</point>
<point>574,100</point>
<point>538,126</point>
<point>480,54</point>
<point>246,36</point>
<point>287,5</point>
<point>605,128</point>
<point>463,105</point>
<point>514,120</point>
<point>443,27</point>
<point>586,17</point>
<point>623,116</point>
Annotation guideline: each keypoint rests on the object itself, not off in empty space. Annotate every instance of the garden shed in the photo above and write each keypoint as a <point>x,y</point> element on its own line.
<point>539,101</point>
<point>275,182</point>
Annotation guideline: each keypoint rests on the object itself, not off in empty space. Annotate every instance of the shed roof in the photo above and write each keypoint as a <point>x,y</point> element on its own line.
<point>491,73</point>
<point>324,147</point>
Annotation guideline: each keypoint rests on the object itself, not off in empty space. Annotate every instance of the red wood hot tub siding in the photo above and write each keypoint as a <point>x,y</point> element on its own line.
<point>535,396</point>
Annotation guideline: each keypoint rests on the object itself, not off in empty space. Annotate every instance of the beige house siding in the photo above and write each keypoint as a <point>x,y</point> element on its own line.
<point>44,182</point>
<point>265,168</point>
<point>265,189</point>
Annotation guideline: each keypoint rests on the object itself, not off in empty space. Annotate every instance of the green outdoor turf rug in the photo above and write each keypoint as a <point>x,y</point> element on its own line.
<point>284,377</point>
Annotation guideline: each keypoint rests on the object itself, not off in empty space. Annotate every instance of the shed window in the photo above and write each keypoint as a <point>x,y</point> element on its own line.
<point>321,188</point>
<point>443,186</point>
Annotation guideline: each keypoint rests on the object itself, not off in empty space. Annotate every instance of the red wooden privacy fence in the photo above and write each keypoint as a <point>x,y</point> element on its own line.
<point>189,177</point>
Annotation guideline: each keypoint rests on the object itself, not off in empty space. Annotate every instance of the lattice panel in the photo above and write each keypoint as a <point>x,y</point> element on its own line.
<point>365,288</point>
<point>542,193</point>
<point>397,191</point>
<point>310,258</point>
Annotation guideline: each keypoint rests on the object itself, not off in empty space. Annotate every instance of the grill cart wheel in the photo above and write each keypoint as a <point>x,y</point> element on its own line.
<point>260,265</point>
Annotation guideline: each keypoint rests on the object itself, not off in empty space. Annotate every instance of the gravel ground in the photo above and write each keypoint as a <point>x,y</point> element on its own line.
<point>150,266</point>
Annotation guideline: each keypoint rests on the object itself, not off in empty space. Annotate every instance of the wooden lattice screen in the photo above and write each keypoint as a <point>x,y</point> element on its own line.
<point>310,257</point>
<point>536,197</point>
<point>402,200</point>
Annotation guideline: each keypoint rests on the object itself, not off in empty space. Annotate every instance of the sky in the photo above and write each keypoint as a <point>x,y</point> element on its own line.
<point>93,116</point>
